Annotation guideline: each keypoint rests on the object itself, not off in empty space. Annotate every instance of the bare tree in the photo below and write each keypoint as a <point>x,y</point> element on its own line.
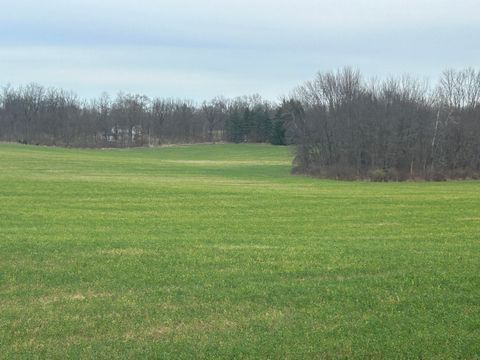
<point>214,111</point>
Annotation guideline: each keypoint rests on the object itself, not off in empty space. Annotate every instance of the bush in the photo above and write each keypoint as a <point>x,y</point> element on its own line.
<point>377,175</point>
<point>436,176</point>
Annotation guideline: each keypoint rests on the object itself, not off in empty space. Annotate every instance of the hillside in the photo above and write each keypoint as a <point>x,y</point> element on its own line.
<point>217,251</point>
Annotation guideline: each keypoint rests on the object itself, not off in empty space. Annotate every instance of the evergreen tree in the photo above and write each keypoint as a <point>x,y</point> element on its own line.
<point>234,127</point>
<point>263,125</point>
<point>278,133</point>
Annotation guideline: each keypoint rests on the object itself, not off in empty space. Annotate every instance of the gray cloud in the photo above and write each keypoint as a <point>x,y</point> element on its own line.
<point>204,48</point>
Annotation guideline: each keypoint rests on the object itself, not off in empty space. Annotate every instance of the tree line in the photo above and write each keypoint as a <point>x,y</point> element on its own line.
<point>348,128</point>
<point>343,126</point>
<point>34,114</point>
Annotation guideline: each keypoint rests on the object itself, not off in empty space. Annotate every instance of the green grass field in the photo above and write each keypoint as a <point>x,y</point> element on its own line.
<point>216,251</point>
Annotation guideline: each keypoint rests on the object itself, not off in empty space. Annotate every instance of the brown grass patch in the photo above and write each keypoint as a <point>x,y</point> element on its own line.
<point>125,252</point>
<point>63,297</point>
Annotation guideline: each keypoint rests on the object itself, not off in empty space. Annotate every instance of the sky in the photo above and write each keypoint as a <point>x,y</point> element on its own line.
<point>198,49</point>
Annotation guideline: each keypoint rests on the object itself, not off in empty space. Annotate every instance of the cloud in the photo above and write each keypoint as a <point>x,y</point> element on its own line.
<point>215,22</point>
<point>156,71</point>
<point>204,48</point>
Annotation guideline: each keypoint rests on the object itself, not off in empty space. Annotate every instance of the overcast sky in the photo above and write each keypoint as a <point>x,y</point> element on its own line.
<point>199,49</point>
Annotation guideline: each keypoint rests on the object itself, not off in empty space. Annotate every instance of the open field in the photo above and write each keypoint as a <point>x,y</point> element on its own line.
<point>217,251</point>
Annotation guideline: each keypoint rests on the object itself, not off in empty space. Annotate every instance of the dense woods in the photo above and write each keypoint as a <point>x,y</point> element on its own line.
<point>343,126</point>
<point>397,129</point>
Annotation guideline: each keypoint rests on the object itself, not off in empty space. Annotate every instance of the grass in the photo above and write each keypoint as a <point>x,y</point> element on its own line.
<point>216,251</point>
